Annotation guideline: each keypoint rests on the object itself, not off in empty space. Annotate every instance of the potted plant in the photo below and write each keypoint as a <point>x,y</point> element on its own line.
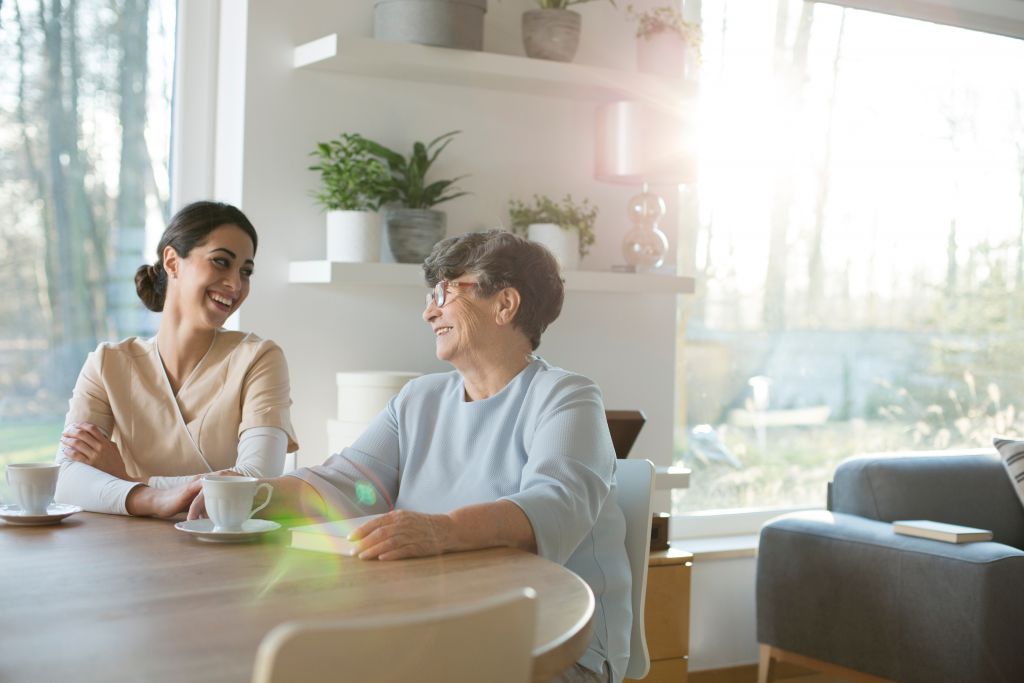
<point>445,23</point>
<point>553,31</point>
<point>663,40</point>
<point>352,182</point>
<point>413,227</point>
<point>566,229</point>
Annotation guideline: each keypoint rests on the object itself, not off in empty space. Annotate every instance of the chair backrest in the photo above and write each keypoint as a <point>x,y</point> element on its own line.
<point>489,640</point>
<point>635,487</point>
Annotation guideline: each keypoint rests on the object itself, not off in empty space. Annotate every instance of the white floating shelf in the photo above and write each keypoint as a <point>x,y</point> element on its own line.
<point>668,478</point>
<point>411,275</point>
<point>411,62</point>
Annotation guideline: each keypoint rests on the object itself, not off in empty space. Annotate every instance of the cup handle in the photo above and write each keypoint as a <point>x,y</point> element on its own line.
<point>266,502</point>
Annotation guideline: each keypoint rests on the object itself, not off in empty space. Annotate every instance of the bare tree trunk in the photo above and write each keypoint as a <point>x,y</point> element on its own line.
<point>69,216</point>
<point>951,266</point>
<point>1019,274</point>
<point>134,172</point>
<point>34,172</point>
<point>815,270</point>
<point>794,73</point>
<point>960,123</point>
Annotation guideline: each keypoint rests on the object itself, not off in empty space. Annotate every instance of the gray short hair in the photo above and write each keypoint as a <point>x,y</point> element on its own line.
<point>500,259</point>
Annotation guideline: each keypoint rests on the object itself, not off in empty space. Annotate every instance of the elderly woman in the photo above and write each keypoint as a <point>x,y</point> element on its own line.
<point>505,451</point>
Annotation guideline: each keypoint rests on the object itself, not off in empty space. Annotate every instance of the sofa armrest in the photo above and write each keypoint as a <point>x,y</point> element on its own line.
<point>970,489</point>
<point>849,590</point>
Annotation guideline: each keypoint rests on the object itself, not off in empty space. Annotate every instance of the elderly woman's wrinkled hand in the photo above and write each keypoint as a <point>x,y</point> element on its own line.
<point>402,534</point>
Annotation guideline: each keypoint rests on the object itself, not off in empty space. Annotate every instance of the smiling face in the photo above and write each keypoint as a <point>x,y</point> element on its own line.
<point>211,283</point>
<point>459,325</point>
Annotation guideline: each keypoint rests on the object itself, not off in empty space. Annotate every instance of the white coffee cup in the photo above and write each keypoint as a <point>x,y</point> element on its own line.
<point>229,500</point>
<point>33,485</point>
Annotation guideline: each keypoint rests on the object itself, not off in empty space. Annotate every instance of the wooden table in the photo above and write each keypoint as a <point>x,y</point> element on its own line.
<point>108,598</point>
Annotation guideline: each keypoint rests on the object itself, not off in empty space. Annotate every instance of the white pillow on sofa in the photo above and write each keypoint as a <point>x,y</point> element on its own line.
<point>1012,453</point>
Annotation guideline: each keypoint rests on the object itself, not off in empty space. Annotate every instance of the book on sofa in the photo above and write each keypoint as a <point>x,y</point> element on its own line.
<point>329,537</point>
<point>940,531</point>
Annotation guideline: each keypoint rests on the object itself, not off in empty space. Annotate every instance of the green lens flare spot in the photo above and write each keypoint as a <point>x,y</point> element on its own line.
<point>365,493</point>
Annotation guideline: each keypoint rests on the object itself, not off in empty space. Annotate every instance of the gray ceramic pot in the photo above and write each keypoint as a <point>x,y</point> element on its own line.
<point>552,34</point>
<point>445,23</point>
<point>412,233</point>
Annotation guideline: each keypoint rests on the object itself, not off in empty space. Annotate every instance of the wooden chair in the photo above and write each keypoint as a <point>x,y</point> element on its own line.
<point>635,488</point>
<point>491,640</point>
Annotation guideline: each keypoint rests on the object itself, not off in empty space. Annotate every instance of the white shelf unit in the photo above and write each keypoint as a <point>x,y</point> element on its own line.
<point>411,275</point>
<point>410,62</point>
<point>671,478</point>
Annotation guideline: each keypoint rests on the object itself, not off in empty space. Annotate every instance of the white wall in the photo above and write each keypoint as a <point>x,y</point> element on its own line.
<point>511,145</point>
<point>723,631</point>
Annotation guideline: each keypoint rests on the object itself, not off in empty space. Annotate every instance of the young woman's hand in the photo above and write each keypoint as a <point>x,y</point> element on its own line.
<point>198,507</point>
<point>84,442</point>
<point>144,501</point>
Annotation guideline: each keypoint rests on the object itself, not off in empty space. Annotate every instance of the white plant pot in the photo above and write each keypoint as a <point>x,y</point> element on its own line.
<point>353,236</point>
<point>564,244</point>
<point>662,54</point>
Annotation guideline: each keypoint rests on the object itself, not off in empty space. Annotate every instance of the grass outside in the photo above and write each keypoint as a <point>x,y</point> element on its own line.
<point>791,467</point>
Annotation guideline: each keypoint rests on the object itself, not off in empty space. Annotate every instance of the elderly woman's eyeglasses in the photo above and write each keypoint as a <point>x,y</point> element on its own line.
<point>439,294</point>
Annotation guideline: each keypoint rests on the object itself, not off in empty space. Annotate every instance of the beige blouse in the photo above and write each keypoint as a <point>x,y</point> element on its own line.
<point>241,383</point>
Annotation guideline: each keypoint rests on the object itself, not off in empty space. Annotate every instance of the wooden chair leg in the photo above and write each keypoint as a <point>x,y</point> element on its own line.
<point>765,665</point>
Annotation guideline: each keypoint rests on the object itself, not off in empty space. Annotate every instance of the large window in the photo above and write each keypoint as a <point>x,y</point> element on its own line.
<point>860,250</point>
<point>85,90</point>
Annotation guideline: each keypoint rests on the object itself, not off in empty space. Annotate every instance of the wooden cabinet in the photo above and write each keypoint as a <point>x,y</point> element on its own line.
<point>667,615</point>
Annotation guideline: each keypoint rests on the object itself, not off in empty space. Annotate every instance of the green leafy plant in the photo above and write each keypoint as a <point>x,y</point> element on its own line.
<point>666,19</point>
<point>407,177</point>
<point>563,4</point>
<point>568,215</point>
<point>351,177</point>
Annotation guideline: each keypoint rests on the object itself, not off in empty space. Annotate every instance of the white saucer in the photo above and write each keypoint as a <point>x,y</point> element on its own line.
<point>203,530</point>
<point>55,512</point>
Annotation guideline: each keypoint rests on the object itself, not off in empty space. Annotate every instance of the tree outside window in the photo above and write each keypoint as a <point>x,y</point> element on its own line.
<point>85,100</point>
<point>859,247</point>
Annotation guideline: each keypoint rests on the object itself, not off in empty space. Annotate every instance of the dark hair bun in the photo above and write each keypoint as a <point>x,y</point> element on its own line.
<point>151,285</point>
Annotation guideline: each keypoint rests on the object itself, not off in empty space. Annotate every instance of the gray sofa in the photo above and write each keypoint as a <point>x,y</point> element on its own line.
<point>839,587</point>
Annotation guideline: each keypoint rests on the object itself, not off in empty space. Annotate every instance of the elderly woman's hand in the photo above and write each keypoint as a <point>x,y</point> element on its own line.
<point>402,534</point>
<point>84,442</point>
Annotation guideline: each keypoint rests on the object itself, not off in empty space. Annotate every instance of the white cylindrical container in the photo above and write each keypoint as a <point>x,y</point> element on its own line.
<point>361,395</point>
<point>564,244</point>
<point>353,236</point>
<point>343,434</point>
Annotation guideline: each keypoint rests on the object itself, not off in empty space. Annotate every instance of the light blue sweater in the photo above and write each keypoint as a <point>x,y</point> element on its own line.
<point>542,442</point>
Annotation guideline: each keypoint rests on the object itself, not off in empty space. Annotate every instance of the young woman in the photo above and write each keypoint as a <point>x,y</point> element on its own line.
<point>148,415</point>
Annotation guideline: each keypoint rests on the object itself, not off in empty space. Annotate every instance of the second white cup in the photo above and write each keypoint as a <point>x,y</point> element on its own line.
<point>229,500</point>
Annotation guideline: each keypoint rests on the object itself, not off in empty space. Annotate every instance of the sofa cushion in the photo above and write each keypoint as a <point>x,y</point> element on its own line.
<point>1012,453</point>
